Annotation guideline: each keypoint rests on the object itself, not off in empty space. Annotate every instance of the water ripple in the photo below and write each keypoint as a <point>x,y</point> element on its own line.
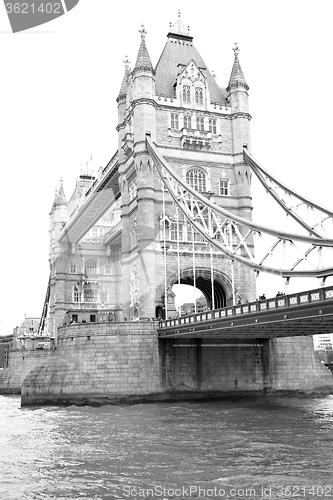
<point>94,453</point>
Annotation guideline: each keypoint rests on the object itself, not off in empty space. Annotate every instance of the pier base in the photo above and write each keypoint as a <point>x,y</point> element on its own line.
<point>111,363</point>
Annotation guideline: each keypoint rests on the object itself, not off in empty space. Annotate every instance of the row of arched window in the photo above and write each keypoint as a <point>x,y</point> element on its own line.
<point>197,179</point>
<point>186,121</point>
<point>184,232</point>
<point>198,94</point>
<point>90,267</point>
<point>90,292</point>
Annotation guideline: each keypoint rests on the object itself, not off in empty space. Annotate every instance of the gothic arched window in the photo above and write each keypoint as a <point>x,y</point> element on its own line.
<point>196,178</point>
<point>200,123</point>
<point>76,294</point>
<point>198,95</point>
<point>104,294</point>
<point>176,231</point>
<point>187,121</point>
<point>186,93</point>
<point>164,229</point>
<point>175,121</point>
<point>107,269</point>
<point>73,268</point>
<point>224,187</point>
<point>90,291</point>
<point>90,267</point>
<point>213,126</point>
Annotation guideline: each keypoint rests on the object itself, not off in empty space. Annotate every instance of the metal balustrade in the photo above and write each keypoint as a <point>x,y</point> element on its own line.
<point>261,306</point>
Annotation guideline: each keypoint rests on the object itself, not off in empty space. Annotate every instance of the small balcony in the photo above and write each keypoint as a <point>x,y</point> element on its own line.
<point>197,139</point>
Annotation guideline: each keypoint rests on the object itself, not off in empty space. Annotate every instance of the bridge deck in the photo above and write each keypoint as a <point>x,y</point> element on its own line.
<point>304,313</point>
<point>100,197</point>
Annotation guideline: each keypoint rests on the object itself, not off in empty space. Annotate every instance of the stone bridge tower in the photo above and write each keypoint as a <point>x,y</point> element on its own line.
<point>200,129</point>
<point>125,263</point>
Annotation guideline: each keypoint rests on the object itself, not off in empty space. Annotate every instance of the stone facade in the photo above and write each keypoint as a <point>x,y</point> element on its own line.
<point>245,366</point>
<point>291,365</point>
<point>19,365</point>
<point>98,364</point>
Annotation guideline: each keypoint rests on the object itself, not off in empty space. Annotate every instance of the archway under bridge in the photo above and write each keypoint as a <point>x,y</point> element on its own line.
<point>221,288</point>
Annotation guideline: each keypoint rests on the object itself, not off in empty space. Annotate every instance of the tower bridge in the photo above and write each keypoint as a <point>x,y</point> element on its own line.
<point>174,206</point>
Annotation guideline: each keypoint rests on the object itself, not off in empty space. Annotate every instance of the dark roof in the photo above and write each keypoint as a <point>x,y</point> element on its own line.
<point>178,53</point>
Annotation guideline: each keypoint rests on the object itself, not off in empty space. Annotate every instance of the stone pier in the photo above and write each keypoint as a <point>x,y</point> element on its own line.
<point>110,363</point>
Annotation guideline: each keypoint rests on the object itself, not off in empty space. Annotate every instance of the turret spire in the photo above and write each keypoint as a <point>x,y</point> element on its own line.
<point>237,76</point>
<point>123,88</point>
<point>60,199</point>
<point>143,61</point>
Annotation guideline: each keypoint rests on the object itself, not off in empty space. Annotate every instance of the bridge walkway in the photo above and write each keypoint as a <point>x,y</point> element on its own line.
<point>297,314</point>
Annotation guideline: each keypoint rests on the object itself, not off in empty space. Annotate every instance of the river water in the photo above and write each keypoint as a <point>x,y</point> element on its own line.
<point>245,448</point>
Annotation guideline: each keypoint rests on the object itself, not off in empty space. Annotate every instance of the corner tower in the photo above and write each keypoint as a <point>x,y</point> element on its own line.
<point>136,114</point>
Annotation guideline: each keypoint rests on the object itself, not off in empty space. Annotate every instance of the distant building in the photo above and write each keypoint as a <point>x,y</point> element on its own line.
<point>5,345</point>
<point>323,342</point>
<point>28,326</point>
<point>26,336</point>
<point>191,307</point>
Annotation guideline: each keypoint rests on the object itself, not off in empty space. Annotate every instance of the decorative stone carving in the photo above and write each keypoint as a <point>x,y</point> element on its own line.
<point>134,285</point>
<point>123,184</point>
<point>170,295</point>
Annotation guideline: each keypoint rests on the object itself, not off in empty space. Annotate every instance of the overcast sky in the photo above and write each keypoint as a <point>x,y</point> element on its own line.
<point>59,85</point>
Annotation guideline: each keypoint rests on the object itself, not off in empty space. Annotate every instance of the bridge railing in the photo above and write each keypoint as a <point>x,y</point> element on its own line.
<point>274,303</point>
<point>111,166</point>
<point>114,230</point>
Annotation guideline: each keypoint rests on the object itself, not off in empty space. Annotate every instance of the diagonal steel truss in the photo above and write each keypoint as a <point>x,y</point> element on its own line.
<point>316,219</point>
<point>277,252</point>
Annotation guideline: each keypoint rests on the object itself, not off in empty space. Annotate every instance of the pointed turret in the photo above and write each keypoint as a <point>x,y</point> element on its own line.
<point>142,87</point>
<point>143,62</point>
<point>54,201</point>
<point>123,88</point>
<point>58,217</point>
<point>237,76</point>
<point>61,198</point>
<point>237,89</point>
<point>59,208</point>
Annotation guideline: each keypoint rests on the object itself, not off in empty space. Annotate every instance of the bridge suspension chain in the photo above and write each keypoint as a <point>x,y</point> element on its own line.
<point>317,220</point>
<point>277,252</point>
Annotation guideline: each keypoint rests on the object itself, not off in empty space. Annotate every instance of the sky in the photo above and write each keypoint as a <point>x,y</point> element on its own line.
<point>59,86</point>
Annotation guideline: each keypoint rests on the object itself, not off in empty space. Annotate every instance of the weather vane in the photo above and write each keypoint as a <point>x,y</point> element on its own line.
<point>126,62</point>
<point>143,31</point>
<point>235,48</point>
